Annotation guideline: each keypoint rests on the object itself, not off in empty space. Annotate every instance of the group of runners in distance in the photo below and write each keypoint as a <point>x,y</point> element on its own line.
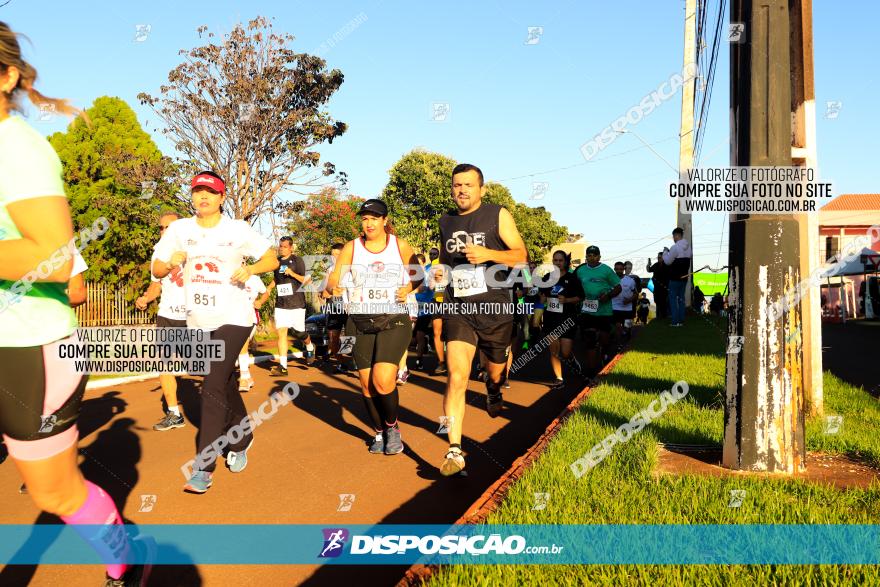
<point>378,290</point>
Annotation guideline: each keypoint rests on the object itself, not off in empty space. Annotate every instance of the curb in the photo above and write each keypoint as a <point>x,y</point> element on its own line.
<point>491,498</point>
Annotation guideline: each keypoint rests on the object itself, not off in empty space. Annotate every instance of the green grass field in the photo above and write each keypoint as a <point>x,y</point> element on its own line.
<point>622,489</point>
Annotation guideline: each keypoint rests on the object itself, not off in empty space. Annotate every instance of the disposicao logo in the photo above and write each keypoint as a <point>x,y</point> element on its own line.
<point>334,542</point>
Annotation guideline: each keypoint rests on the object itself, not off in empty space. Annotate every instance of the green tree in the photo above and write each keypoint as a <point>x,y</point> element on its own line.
<point>113,169</point>
<point>253,110</point>
<point>417,194</point>
<point>323,219</point>
<point>536,225</point>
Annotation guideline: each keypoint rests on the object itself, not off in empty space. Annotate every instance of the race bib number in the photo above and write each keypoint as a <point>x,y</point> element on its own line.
<point>204,299</point>
<point>377,294</point>
<point>285,289</point>
<point>553,305</point>
<point>469,282</point>
<point>591,306</point>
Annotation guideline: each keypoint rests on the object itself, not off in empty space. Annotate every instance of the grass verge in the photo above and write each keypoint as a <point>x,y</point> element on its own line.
<point>622,489</point>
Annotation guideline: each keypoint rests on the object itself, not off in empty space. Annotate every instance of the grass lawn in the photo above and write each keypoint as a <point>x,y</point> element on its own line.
<point>622,490</point>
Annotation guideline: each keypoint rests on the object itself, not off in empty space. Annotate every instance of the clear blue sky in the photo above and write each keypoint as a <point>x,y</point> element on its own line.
<point>516,108</point>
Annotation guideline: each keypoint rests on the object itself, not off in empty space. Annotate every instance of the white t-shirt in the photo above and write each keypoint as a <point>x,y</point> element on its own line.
<point>212,256</point>
<point>254,287</point>
<point>79,264</point>
<point>627,290</point>
<point>172,301</point>
<point>29,168</point>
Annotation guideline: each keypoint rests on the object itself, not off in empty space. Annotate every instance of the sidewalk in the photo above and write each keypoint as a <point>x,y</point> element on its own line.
<point>302,460</point>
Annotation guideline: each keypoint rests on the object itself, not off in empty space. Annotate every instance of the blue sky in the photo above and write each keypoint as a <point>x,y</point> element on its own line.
<point>516,109</point>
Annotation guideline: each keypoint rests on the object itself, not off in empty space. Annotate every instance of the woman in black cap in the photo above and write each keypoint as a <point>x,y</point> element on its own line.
<point>375,270</point>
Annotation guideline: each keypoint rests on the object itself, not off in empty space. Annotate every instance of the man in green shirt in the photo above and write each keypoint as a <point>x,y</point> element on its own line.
<point>600,284</point>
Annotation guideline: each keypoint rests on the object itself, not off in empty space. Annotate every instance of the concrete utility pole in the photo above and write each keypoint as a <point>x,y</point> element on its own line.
<point>763,415</point>
<point>803,153</point>
<point>686,135</point>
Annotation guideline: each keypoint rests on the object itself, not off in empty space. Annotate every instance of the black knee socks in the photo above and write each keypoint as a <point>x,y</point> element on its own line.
<point>371,404</point>
<point>389,404</point>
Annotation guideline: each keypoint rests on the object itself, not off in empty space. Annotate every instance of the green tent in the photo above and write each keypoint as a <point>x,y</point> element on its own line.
<point>709,283</point>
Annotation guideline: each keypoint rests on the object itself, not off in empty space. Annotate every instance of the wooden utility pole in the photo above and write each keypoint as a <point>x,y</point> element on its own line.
<point>686,135</point>
<point>763,412</point>
<point>803,153</point>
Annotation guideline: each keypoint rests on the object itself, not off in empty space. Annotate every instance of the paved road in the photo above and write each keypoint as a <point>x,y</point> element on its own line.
<point>851,351</point>
<point>302,459</point>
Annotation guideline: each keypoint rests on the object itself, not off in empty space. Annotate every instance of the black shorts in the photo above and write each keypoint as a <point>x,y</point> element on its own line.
<point>336,321</point>
<point>493,340</point>
<point>424,323</point>
<point>163,322</point>
<point>592,322</point>
<point>387,346</point>
<point>560,325</point>
<point>621,315</point>
<point>40,396</point>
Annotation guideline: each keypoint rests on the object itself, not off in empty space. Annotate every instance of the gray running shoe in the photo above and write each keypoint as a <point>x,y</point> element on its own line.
<point>393,443</point>
<point>378,445</point>
<point>237,461</point>
<point>200,482</point>
<point>171,420</point>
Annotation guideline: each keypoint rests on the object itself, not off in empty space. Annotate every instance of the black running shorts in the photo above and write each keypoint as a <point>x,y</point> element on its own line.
<point>493,340</point>
<point>387,346</point>
<point>40,396</point>
<point>559,324</point>
<point>592,322</point>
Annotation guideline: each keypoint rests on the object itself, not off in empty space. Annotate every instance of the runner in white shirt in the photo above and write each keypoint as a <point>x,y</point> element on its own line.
<point>622,303</point>
<point>375,267</point>
<point>211,247</point>
<point>172,314</point>
<point>257,295</point>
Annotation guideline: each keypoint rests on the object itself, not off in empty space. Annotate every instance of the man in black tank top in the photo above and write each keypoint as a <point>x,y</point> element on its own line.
<point>475,239</point>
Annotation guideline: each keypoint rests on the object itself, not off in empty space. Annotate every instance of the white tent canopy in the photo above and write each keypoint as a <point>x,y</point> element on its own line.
<point>853,267</point>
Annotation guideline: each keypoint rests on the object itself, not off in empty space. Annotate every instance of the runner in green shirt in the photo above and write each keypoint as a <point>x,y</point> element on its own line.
<point>600,284</point>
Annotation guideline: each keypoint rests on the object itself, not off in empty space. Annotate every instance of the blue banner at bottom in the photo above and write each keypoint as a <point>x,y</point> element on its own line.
<point>441,544</point>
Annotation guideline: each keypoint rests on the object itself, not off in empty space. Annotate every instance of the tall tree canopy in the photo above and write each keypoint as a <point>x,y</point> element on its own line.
<point>113,169</point>
<point>323,219</point>
<point>251,109</point>
<point>419,192</point>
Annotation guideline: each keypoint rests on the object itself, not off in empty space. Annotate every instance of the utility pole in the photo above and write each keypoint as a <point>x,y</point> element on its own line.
<point>763,412</point>
<point>803,153</point>
<point>686,135</point>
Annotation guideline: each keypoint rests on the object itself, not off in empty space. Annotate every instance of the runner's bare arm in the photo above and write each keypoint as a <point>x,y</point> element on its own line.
<point>516,252</point>
<point>344,260</point>
<point>409,257</point>
<point>410,260</point>
<point>153,292</point>
<point>160,268</point>
<point>268,262</point>
<point>45,227</point>
<point>76,291</point>
<point>263,297</point>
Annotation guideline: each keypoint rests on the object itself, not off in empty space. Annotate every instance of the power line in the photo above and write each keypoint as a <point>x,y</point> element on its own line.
<point>586,162</point>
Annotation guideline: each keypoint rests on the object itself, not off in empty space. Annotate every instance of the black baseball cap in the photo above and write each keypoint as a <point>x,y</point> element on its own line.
<point>374,206</point>
<point>593,250</point>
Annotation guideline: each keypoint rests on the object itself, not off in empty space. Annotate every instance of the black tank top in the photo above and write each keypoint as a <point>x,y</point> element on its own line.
<point>480,227</point>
